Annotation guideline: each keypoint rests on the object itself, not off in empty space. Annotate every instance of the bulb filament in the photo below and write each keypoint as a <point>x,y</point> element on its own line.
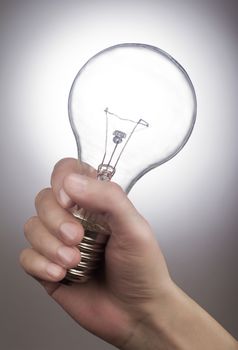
<point>107,169</point>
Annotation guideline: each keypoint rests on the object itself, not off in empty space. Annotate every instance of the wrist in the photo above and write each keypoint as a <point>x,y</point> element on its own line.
<point>175,321</point>
<point>150,329</point>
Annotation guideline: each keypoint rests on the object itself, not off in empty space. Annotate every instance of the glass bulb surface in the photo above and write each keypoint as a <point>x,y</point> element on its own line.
<point>132,107</point>
<point>140,93</point>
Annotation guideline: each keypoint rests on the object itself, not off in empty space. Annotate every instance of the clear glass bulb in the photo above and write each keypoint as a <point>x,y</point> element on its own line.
<point>132,107</point>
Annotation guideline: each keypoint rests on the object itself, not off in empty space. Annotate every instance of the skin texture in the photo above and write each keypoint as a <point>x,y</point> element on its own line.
<point>133,303</point>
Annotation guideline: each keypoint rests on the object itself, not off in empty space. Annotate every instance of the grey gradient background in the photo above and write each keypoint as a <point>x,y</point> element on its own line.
<point>191,202</point>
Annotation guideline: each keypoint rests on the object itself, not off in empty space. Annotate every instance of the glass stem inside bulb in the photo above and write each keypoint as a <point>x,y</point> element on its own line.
<point>113,151</point>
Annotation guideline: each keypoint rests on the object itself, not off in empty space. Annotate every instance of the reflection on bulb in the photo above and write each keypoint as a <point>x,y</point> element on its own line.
<point>132,107</point>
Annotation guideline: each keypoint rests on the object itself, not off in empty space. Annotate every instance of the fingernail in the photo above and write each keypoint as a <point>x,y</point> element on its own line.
<point>66,254</point>
<point>65,200</point>
<point>69,231</point>
<point>54,270</point>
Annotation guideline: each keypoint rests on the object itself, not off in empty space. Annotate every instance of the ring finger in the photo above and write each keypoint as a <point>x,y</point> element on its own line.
<point>58,221</point>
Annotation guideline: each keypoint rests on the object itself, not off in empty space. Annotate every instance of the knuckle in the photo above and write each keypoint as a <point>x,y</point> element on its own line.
<point>59,166</point>
<point>61,163</point>
<point>41,196</point>
<point>23,257</point>
<point>87,169</point>
<point>29,224</point>
<point>115,191</point>
<point>115,197</point>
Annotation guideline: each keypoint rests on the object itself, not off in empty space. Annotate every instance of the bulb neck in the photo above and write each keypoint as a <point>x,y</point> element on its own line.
<point>105,172</point>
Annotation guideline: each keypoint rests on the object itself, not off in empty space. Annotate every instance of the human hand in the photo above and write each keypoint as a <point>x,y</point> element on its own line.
<point>135,279</point>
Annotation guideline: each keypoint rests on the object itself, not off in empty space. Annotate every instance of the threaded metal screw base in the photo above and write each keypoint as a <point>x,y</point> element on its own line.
<point>92,250</point>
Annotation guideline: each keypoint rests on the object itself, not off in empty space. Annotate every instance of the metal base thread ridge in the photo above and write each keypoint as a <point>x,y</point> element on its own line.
<point>92,249</point>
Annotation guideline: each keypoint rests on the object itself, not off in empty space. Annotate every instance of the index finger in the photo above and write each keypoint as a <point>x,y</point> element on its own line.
<point>65,167</point>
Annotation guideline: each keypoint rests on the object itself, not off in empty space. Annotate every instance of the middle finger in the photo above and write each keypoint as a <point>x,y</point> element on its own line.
<point>57,220</point>
<point>49,246</point>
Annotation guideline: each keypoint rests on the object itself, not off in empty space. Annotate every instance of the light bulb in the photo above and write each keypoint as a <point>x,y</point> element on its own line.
<point>132,107</point>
